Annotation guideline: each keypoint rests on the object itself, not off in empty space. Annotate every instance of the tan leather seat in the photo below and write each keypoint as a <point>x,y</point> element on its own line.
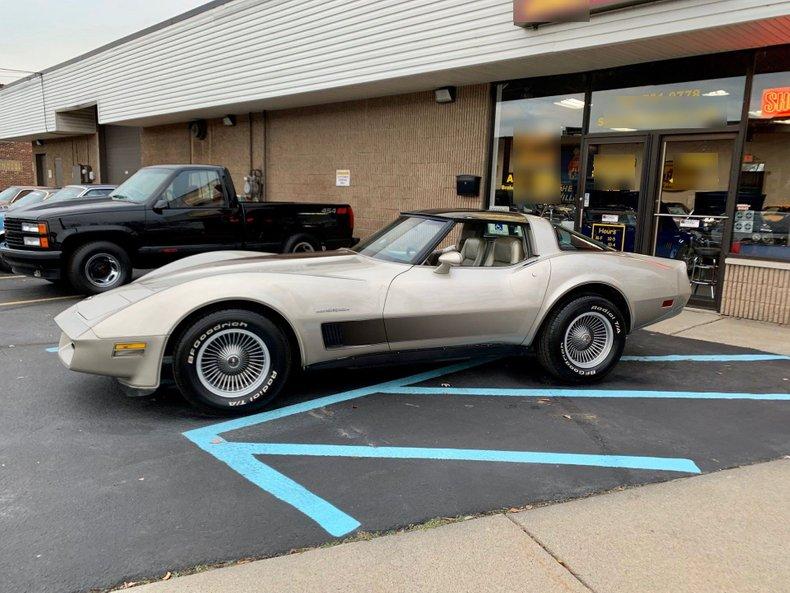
<point>505,251</point>
<point>472,252</point>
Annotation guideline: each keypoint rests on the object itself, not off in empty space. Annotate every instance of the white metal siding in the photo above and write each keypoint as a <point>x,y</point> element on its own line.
<point>251,50</point>
<point>78,121</point>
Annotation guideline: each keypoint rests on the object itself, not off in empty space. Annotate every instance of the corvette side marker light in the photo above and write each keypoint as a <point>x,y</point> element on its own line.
<point>128,349</point>
<point>667,304</point>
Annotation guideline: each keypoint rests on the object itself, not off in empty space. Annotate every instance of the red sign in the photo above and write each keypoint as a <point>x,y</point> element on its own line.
<point>776,102</point>
<point>535,12</point>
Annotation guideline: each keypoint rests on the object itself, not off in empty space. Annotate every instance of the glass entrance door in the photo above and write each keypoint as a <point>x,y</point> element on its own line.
<point>691,205</point>
<point>614,183</point>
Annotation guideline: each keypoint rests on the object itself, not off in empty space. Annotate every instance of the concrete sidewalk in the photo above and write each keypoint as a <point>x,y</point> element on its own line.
<point>699,324</point>
<point>723,532</point>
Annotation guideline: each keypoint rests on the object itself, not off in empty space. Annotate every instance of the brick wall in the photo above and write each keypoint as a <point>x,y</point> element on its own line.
<point>403,153</point>
<point>757,290</point>
<point>16,164</point>
<point>235,147</point>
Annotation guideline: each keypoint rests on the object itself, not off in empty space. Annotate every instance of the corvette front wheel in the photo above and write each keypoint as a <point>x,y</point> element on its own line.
<point>582,340</point>
<point>232,362</point>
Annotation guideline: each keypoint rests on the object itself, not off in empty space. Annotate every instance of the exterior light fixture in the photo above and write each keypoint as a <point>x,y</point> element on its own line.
<point>229,120</point>
<point>719,93</point>
<point>446,94</point>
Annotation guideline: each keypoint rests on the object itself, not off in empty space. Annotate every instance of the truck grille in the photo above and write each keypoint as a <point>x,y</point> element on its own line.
<point>13,233</point>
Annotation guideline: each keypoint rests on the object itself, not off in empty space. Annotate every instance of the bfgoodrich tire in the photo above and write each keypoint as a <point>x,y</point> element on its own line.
<point>232,362</point>
<point>99,267</point>
<point>582,340</point>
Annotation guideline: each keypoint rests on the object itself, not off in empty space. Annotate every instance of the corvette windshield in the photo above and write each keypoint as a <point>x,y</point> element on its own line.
<point>404,240</point>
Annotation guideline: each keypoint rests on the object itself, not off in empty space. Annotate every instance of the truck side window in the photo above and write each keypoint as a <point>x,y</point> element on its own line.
<point>199,188</point>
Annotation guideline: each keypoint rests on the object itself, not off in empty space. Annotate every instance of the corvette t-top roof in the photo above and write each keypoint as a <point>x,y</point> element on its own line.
<point>470,214</point>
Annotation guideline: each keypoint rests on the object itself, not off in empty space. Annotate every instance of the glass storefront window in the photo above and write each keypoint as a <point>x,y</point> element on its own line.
<point>711,104</point>
<point>762,212</point>
<point>538,155</point>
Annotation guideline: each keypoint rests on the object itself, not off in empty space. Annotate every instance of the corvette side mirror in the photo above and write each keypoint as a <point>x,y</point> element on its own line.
<point>448,260</point>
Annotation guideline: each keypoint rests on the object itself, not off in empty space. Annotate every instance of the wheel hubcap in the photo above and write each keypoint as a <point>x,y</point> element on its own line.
<point>103,270</point>
<point>589,340</point>
<point>233,362</point>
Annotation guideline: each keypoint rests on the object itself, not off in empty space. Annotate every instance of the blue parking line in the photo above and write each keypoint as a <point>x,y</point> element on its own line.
<point>242,457</point>
<point>52,349</point>
<point>705,358</point>
<point>211,431</point>
<point>237,457</point>
<point>543,457</point>
<point>577,393</point>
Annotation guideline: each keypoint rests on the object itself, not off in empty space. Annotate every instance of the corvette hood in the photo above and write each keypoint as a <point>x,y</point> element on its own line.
<point>342,264</point>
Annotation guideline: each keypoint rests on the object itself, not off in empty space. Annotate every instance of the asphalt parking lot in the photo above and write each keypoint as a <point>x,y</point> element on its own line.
<point>96,488</point>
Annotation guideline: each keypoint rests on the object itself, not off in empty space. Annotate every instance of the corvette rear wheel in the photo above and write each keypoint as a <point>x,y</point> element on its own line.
<point>231,362</point>
<point>582,340</point>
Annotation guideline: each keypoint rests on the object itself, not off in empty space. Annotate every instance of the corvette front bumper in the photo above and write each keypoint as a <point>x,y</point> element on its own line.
<point>81,350</point>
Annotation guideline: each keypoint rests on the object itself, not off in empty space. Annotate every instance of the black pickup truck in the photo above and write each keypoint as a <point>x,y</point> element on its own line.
<point>160,214</point>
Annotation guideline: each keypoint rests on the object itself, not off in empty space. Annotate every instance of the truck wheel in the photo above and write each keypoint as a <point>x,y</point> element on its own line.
<point>99,267</point>
<point>301,244</point>
<point>582,340</point>
<point>231,362</point>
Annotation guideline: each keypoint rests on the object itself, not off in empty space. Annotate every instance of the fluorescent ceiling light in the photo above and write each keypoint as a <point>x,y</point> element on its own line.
<point>781,121</point>
<point>623,129</point>
<point>570,103</point>
<point>758,113</point>
<point>719,93</point>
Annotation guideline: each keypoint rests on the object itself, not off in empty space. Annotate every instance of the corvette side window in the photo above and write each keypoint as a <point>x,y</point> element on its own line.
<point>492,244</point>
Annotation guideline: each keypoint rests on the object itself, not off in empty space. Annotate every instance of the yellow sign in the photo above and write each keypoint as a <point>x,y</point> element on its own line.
<point>611,235</point>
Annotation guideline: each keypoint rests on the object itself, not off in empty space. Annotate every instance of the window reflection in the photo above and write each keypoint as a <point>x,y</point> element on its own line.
<point>699,104</point>
<point>538,155</point>
<point>762,213</point>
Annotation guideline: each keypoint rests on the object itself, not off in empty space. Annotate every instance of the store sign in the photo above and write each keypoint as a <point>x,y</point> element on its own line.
<point>535,12</point>
<point>776,102</point>
<point>611,235</point>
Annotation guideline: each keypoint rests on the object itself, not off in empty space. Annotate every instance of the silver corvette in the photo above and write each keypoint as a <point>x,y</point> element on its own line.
<point>435,284</point>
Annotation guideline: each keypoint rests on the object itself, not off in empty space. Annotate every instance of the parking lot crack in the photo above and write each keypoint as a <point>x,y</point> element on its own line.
<point>556,558</point>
